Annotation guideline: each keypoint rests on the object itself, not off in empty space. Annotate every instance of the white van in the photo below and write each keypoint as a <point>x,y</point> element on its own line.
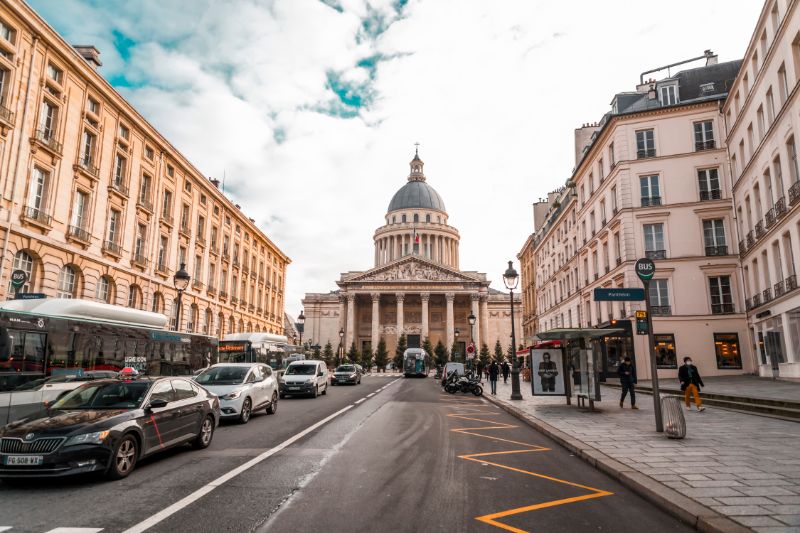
<point>309,377</point>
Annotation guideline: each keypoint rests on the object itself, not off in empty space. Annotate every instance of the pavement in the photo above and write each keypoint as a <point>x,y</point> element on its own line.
<point>732,470</point>
<point>744,386</point>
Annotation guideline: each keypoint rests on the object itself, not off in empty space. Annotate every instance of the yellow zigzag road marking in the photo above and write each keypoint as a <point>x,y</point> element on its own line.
<point>492,519</point>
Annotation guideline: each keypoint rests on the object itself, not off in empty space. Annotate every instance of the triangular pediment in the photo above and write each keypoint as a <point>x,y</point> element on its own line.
<point>412,268</point>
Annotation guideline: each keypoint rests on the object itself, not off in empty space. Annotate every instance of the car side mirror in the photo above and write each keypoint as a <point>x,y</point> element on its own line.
<point>157,403</point>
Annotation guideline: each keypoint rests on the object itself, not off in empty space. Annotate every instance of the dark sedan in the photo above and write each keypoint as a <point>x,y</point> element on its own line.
<point>346,374</point>
<point>107,426</point>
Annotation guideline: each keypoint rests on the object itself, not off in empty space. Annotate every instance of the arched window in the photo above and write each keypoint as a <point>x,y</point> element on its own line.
<point>428,217</point>
<point>105,288</point>
<point>158,303</point>
<point>220,325</point>
<point>66,282</point>
<point>241,326</point>
<point>209,323</point>
<point>403,219</point>
<point>134,297</point>
<point>231,325</point>
<point>439,219</point>
<point>416,217</point>
<point>23,261</point>
<point>394,220</point>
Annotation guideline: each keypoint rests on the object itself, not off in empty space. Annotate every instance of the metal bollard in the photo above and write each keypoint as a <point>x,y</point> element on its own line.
<point>674,421</point>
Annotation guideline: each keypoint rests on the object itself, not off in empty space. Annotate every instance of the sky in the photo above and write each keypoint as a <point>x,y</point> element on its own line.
<point>310,109</point>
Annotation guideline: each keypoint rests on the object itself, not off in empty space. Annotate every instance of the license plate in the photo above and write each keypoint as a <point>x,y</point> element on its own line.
<point>23,460</point>
<point>294,388</point>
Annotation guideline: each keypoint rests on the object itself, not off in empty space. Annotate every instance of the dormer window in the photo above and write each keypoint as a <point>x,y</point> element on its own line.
<point>669,94</point>
<point>707,88</point>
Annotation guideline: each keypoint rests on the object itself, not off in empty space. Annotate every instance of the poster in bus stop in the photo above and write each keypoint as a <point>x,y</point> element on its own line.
<point>586,382</point>
<point>548,372</point>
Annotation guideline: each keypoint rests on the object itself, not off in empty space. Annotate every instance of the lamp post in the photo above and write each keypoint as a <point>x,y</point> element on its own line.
<point>471,319</point>
<point>180,281</point>
<point>301,320</point>
<point>341,345</point>
<point>511,279</point>
<point>456,333</point>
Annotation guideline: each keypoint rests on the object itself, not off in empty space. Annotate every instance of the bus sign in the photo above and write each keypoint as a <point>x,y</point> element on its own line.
<point>232,347</point>
<point>18,278</point>
<point>645,269</point>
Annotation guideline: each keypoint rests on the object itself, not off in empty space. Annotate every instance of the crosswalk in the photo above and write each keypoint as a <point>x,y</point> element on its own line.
<point>59,529</point>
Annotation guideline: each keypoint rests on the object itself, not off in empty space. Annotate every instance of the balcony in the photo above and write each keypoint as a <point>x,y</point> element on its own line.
<point>760,231</point>
<point>236,261</point>
<point>200,240</point>
<point>37,216</point>
<point>161,268</point>
<point>716,250</point>
<point>607,269</point>
<point>602,223</point>
<point>234,301</point>
<point>119,187</point>
<point>253,275</point>
<point>794,193</point>
<point>751,239</point>
<point>47,140</point>
<point>779,289</point>
<point>645,153</point>
<point>86,166</point>
<point>145,204</point>
<point>596,275</point>
<point>766,294</point>
<point>213,249</point>
<point>714,194</point>
<point>251,308</point>
<point>260,311</point>
<point>223,295</point>
<point>167,219</point>
<point>211,289</point>
<point>614,210</point>
<point>79,234</point>
<point>6,115</point>
<point>585,282</point>
<point>769,218</point>
<point>791,282</point>
<point>722,309</point>
<point>197,284</point>
<point>140,261</point>
<point>748,304</point>
<point>756,300</point>
<point>655,254</point>
<point>112,248</point>
<point>704,145</point>
<point>661,310</point>
<point>185,231</point>
<point>780,207</point>
<point>650,201</point>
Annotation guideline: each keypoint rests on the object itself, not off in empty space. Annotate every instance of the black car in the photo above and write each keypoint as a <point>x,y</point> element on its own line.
<point>107,426</point>
<point>345,374</point>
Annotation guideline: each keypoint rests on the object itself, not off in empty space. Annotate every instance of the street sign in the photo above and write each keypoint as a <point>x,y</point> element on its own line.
<point>471,348</point>
<point>645,269</point>
<point>18,278</point>
<point>642,327</point>
<point>29,296</point>
<point>620,294</point>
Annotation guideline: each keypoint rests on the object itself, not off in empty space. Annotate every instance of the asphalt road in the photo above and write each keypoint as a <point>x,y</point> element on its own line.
<point>406,458</point>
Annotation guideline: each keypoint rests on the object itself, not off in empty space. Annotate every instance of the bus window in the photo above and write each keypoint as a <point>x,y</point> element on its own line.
<point>33,352</point>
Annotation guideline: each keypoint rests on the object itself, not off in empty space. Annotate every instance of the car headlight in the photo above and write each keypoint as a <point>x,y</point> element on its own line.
<point>231,395</point>
<point>352,376</point>
<point>87,438</point>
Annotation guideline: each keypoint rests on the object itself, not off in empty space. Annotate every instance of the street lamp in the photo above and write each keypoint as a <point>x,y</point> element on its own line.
<point>341,345</point>
<point>301,320</point>
<point>511,279</point>
<point>180,280</point>
<point>471,319</point>
<point>456,354</point>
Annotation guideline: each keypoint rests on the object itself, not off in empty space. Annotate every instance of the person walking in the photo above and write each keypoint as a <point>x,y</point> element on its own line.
<point>691,382</point>
<point>627,379</point>
<point>494,370</point>
<point>506,370</point>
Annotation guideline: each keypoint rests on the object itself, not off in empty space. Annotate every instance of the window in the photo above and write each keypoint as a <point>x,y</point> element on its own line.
<point>708,182</point>
<point>214,236</point>
<point>87,149</point>
<point>144,189</point>
<point>654,241</point>
<point>93,106</point>
<point>120,164</point>
<point>162,391</point>
<point>163,244</point>
<point>714,237</point>
<point>665,350</point>
<point>760,122</point>
<point>37,193</point>
<point>79,204</point>
<point>185,216</point>
<point>5,82</point>
<point>187,185</point>
<point>124,132</point>
<point>55,73</point>
<point>600,170</point>
<point>113,226</point>
<point>611,157</point>
<point>770,108</point>
<point>170,171</point>
<point>776,168</point>
<point>201,227</point>
<point>726,346</point>
<point>203,199</point>
<point>6,32</point>
<point>183,389</point>
<point>66,282</point>
<point>104,289</point>
<point>23,261</point>
<point>416,217</point>
<point>141,240</point>
<point>166,209</point>
<point>645,144</point>
<point>791,149</point>
<point>134,297</point>
<point>721,297</point>
<point>198,268</point>
<point>149,153</point>
<point>48,120</point>
<point>651,193</point>
<point>659,297</point>
<point>783,84</point>
<point>669,94</point>
<point>704,135</point>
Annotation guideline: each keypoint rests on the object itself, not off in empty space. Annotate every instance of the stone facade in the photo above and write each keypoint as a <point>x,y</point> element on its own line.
<point>98,204</point>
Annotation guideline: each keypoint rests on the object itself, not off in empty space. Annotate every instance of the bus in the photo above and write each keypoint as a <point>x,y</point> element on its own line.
<point>416,363</point>
<point>45,343</point>
<point>255,347</point>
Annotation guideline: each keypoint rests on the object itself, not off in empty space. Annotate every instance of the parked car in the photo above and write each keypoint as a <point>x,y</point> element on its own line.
<point>242,388</point>
<point>347,374</point>
<point>308,377</point>
<point>107,426</point>
<point>53,387</point>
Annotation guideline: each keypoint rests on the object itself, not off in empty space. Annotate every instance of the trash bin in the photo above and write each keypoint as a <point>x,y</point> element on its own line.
<point>672,416</point>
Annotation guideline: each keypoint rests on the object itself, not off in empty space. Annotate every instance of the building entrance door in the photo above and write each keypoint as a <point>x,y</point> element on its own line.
<point>413,341</point>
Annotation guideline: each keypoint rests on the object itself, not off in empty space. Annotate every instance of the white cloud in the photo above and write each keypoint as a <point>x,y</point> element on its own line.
<point>492,90</point>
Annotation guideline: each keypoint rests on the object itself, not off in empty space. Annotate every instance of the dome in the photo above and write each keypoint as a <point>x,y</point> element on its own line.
<point>416,195</point>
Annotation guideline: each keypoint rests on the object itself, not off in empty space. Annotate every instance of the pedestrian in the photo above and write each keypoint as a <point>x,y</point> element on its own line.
<point>627,378</point>
<point>494,370</point>
<point>506,369</point>
<point>479,367</point>
<point>691,382</point>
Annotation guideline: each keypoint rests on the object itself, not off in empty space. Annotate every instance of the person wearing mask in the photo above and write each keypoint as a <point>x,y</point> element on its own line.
<point>506,370</point>
<point>494,370</point>
<point>691,382</point>
<point>627,379</point>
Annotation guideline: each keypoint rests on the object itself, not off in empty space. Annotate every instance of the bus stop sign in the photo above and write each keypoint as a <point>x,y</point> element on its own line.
<point>645,269</point>
<point>18,278</point>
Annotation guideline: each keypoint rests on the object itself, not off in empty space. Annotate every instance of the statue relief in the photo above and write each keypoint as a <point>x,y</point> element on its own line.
<point>412,271</point>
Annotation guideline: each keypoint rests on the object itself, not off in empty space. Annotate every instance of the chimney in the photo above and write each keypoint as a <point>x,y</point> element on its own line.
<point>711,57</point>
<point>214,182</point>
<point>238,207</point>
<point>90,54</point>
<point>583,137</point>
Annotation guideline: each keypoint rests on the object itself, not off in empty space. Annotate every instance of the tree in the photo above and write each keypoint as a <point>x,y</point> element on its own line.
<point>352,355</point>
<point>327,355</point>
<point>366,359</point>
<point>455,351</point>
<point>381,356</point>
<point>498,351</point>
<point>510,352</point>
<point>441,354</point>
<point>317,353</point>
<point>484,356</point>
<point>402,344</point>
<point>427,346</point>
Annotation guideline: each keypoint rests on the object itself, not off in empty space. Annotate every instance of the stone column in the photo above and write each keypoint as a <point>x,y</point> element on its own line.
<point>376,314</point>
<point>483,320</point>
<point>351,319</point>
<point>450,324</point>
<point>400,297</point>
<point>476,329</point>
<point>425,296</point>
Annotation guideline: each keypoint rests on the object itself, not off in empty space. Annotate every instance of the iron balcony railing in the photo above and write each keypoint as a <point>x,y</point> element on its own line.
<point>760,231</point>
<point>619,261</point>
<point>722,308</point>
<point>112,247</point>
<point>6,115</point>
<point>120,187</point>
<point>661,310</point>
<point>37,215</point>
<point>717,250</point>
<point>791,282</point>
<point>167,219</point>
<point>223,294</point>
<point>645,153</point>
<point>742,248</point>
<point>704,145</point>
<point>756,300</point>
<point>140,260</point>
<point>748,304</point>
<point>78,233</point>
<point>751,239</point>
<point>779,289</point>
<point>794,193</point>
<point>713,194</point>
<point>649,201</point>
<point>161,268</point>
<point>766,294</point>
<point>197,284</point>
<point>47,138</point>
<point>87,165</point>
<point>780,207</point>
<point>211,289</point>
<point>145,204</point>
<point>656,254</point>
<point>769,217</point>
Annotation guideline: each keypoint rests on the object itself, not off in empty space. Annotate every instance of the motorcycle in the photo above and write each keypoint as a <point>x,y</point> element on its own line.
<point>465,384</point>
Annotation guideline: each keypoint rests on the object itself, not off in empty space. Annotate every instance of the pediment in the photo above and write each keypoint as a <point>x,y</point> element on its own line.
<point>412,269</point>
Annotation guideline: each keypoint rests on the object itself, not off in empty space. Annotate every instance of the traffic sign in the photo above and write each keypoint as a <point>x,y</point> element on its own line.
<point>620,294</point>
<point>645,269</point>
<point>471,348</point>
<point>19,278</point>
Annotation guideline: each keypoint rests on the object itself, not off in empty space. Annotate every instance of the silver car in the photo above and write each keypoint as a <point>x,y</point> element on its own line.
<point>242,388</point>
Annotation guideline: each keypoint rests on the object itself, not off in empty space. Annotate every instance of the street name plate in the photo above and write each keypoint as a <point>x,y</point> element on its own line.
<point>620,294</point>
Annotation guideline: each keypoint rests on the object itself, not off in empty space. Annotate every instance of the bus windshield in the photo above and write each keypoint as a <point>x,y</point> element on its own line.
<point>234,352</point>
<point>223,375</point>
<point>113,395</point>
<point>301,370</point>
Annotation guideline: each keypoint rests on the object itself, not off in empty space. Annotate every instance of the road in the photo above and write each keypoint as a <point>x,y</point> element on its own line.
<point>389,454</point>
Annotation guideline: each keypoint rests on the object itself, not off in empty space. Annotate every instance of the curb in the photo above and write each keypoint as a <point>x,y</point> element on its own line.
<point>673,502</point>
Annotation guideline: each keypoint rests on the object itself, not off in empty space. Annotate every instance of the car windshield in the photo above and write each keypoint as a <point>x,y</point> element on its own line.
<point>346,368</point>
<point>114,395</point>
<point>223,375</point>
<point>301,370</point>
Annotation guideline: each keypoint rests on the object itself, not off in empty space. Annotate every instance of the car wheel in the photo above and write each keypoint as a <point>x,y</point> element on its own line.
<point>247,408</point>
<point>203,438</point>
<point>325,390</point>
<point>123,461</point>
<point>316,391</point>
<point>272,406</point>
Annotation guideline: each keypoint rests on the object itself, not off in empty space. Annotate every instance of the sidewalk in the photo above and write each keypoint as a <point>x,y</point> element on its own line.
<point>740,466</point>
<point>745,386</point>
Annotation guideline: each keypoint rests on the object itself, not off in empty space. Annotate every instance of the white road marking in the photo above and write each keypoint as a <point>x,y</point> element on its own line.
<point>75,530</point>
<point>359,401</point>
<point>5,528</point>
<point>202,491</point>
<point>370,395</point>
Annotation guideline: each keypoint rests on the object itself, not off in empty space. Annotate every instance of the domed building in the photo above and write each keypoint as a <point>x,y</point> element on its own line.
<point>416,286</point>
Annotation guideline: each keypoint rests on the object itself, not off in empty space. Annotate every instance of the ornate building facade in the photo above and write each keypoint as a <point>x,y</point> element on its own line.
<point>415,288</point>
<point>95,203</point>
